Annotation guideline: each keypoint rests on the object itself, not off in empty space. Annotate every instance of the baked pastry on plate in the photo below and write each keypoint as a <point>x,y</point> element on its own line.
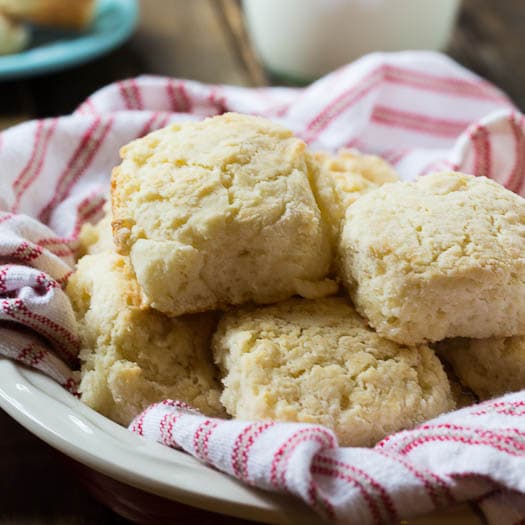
<point>14,37</point>
<point>489,367</point>
<point>317,361</point>
<point>220,212</point>
<point>69,14</point>
<point>342,178</point>
<point>443,256</point>
<point>133,356</point>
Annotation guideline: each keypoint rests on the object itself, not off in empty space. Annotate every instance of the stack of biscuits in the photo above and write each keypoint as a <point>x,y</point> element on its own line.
<point>16,14</point>
<point>241,273</point>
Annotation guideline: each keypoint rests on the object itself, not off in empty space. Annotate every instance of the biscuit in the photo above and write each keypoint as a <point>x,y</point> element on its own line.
<point>68,14</point>
<point>489,367</point>
<point>317,361</point>
<point>341,179</point>
<point>439,257</point>
<point>131,356</point>
<point>96,238</point>
<point>461,394</point>
<point>13,37</point>
<point>220,212</point>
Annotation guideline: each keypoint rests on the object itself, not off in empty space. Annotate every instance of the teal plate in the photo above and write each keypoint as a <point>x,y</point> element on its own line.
<point>52,50</point>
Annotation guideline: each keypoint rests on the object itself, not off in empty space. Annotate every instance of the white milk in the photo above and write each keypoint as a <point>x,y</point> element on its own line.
<point>308,38</point>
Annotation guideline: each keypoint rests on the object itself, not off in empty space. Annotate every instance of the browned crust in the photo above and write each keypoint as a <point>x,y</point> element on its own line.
<point>69,14</point>
<point>121,228</point>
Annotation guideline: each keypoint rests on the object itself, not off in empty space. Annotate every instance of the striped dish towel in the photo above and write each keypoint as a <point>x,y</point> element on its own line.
<point>420,111</point>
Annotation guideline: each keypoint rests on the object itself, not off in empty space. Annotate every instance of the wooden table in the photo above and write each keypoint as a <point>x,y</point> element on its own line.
<point>194,40</point>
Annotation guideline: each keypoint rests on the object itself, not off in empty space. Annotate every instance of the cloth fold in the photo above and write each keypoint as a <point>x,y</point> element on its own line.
<point>471,454</point>
<point>419,110</point>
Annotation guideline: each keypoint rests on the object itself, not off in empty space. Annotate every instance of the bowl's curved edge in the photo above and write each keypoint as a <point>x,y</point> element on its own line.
<point>63,422</point>
<point>52,414</point>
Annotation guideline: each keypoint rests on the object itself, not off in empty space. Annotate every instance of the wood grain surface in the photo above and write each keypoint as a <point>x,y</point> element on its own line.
<point>202,40</point>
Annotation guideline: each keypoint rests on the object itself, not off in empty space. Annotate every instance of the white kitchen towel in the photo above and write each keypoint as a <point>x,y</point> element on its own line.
<point>477,453</point>
<point>419,110</point>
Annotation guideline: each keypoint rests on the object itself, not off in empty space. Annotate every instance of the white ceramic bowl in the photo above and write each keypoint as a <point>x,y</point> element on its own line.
<point>113,453</point>
<point>48,411</point>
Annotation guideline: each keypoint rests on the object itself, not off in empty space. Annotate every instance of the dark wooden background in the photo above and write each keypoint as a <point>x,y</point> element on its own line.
<point>193,40</point>
<point>196,39</point>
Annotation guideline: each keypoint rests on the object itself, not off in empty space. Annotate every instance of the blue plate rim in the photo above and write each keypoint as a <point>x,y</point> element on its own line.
<point>85,47</point>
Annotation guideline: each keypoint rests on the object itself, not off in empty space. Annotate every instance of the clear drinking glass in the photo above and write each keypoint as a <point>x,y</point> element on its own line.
<point>305,39</point>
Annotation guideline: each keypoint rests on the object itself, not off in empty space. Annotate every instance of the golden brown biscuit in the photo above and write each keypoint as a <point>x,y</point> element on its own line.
<point>462,395</point>
<point>13,37</point>
<point>443,256</point>
<point>489,367</point>
<point>220,212</point>
<point>342,178</point>
<point>69,14</point>
<point>96,238</point>
<point>317,361</point>
<point>132,356</point>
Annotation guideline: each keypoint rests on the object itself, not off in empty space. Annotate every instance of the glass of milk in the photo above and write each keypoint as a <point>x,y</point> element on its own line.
<point>304,39</point>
